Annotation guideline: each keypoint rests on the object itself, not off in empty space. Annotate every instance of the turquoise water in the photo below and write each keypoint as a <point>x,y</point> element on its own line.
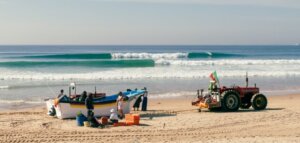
<point>31,73</point>
<point>139,62</point>
<point>61,64</point>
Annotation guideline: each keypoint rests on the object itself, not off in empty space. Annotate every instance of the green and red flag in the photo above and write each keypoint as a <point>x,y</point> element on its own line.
<point>213,76</point>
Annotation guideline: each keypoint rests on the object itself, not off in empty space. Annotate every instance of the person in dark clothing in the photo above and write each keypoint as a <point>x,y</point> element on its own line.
<point>61,93</point>
<point>89,105</point>
<point>137,103</point>
<point>83,96</point>
<point>145,101</point>
<point>93,121</point>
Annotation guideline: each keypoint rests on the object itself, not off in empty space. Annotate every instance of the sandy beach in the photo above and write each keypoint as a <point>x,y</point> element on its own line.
<point>67,58</point>
<point>168,120</point>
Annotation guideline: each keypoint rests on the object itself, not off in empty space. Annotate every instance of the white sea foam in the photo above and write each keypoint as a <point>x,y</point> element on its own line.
<point>174,95</point>
<point>4,87</point>
<point>149,55</point>
<point>155,73</point>
<point>19,102</point>
<point>225,62</point>
<point>166,68</point>
<point>209,53</point>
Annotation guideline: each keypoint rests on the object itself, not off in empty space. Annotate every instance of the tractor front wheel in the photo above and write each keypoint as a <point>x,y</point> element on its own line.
<point>259,102</point>
<point>230,100</point>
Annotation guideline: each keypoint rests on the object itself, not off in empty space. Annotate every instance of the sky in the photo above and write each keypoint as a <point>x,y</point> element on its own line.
<point>149,22</point>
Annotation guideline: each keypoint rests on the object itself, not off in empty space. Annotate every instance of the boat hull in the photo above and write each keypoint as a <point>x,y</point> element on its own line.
<point>70,110</point>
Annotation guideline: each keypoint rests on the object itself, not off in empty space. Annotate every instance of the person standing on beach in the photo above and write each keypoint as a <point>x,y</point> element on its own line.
<point>145,100</point>
<point>61,93</point>
<point>120,95</point>
<point>137,103</point>
<point>83,96</point>
<point>120,105</point>
<point>89,105</point>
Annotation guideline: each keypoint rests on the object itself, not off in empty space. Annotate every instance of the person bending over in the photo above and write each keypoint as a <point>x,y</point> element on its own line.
<point>113,116</point>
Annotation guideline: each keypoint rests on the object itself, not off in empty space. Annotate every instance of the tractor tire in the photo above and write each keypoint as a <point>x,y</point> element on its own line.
<point>259,101</point>
<point>230,100</point>
<point>246,105</point>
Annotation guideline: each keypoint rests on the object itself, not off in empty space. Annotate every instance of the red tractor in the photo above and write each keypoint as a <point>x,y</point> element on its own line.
<point>232,98</point>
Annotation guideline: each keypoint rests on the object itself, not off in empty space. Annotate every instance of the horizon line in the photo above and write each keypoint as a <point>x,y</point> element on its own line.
<point>295,44</point>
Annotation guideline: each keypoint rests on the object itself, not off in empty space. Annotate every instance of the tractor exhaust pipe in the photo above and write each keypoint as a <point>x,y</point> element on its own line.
<point>247,80</point>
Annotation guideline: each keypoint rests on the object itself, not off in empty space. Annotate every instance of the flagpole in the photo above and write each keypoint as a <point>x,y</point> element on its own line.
<point>218,79</point>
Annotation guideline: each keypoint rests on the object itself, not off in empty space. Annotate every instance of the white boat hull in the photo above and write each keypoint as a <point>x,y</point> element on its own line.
<point>68,110</point>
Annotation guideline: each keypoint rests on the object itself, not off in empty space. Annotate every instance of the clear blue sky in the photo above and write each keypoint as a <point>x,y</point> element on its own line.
<point>149,22</point>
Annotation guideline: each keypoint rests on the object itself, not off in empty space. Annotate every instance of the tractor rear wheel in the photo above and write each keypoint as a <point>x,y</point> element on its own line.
<point>230,100</point>
<point>259,101</point>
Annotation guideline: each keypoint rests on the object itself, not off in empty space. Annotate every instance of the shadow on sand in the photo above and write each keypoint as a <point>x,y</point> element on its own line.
<point>265,110</point>
<point>144,125</point>
<point>150,114</point>
<point>246,110</point>
<point>275,108</point>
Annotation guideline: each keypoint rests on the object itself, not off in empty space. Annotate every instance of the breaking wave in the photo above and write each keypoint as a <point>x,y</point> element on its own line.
<point>226,62</point>
<point>212,55</point>
<point>180,55</point>
<point>150,55</point>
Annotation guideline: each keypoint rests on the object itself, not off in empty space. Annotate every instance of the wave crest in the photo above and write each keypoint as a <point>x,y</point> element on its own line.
<point>149,55</point>
<point>225,62</point>
<point>132,55</point>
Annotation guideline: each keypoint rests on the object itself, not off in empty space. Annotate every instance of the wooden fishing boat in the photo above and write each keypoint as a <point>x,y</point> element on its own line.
<point>67,107</point>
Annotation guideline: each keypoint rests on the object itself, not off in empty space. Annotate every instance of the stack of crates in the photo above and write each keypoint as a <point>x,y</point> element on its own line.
<point>132,119</point>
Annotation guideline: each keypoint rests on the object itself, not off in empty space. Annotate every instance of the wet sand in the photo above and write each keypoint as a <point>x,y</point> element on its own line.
<point>168,120</point>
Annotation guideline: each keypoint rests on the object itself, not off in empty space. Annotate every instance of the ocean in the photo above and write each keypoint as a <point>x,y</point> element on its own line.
<point>29,74</point>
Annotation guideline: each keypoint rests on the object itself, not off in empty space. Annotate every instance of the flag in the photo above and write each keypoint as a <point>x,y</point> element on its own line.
<point>213,76</point>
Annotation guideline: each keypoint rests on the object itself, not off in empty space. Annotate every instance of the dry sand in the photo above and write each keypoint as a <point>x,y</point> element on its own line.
<point>168,120</point>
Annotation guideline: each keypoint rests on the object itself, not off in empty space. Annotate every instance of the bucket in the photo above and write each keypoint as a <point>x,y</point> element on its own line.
<point>86,123</point>
<point>80,119</point>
